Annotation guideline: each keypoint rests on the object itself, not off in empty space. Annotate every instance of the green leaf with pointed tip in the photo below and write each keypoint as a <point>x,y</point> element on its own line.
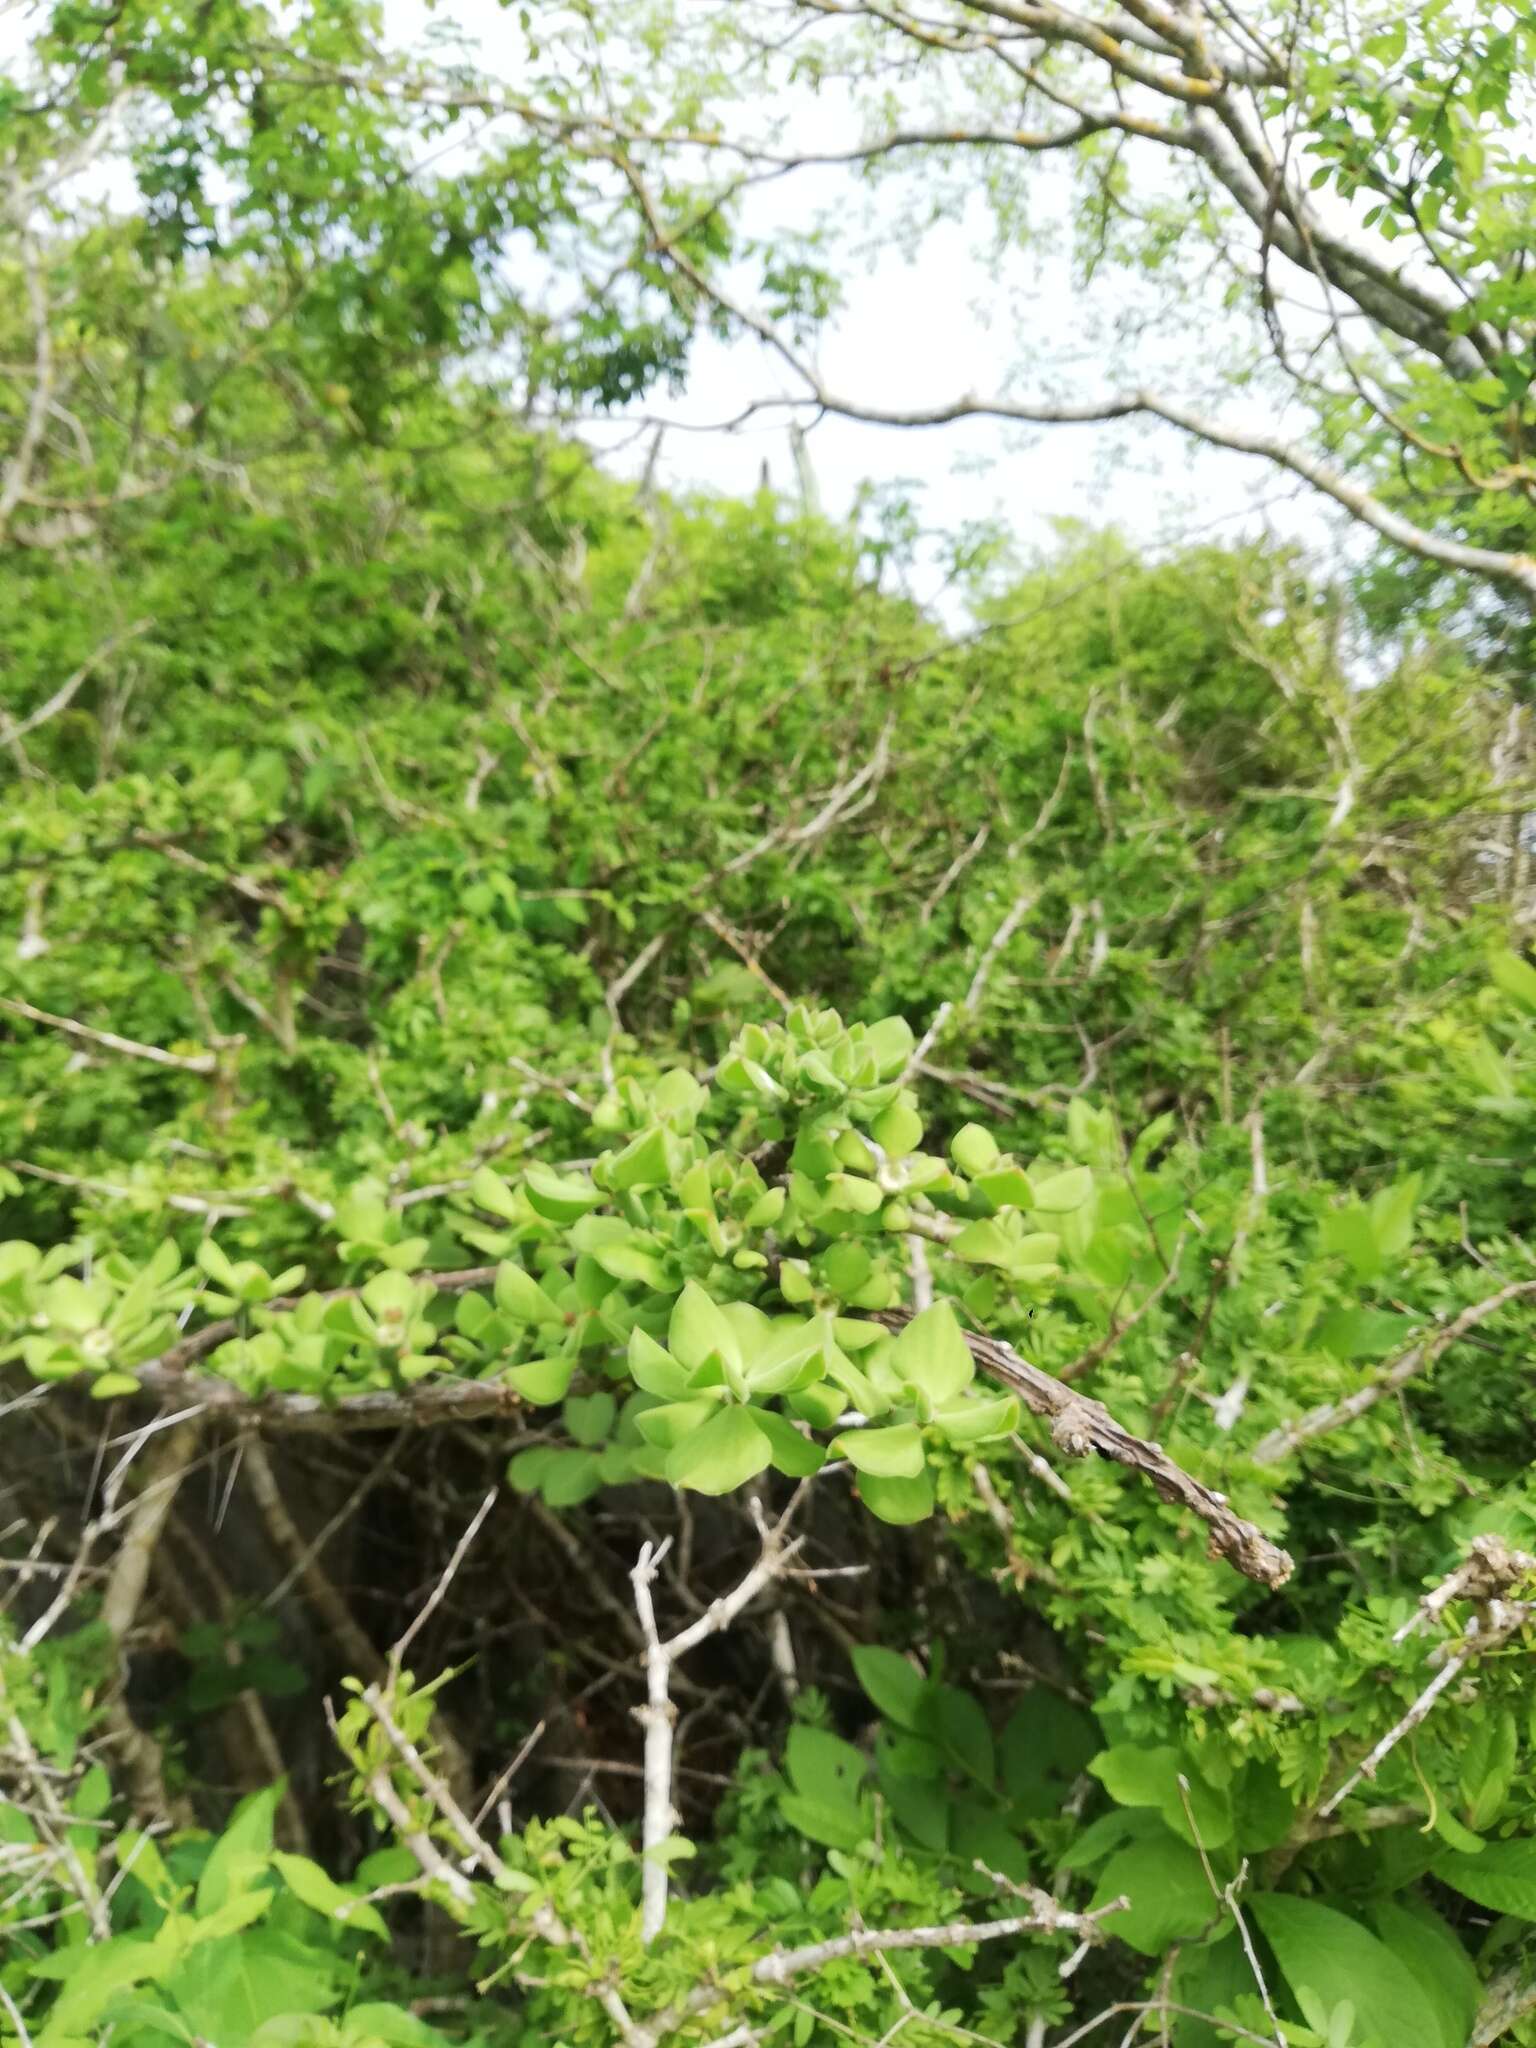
<point>729,1450</point>
<point>792,1354</point>
<point>857,1385</point>
<point>674,1422</point>
<point>699,1331</point>
<point>892,1453</point>
<point>972,1422</point>
<point>522,1298</point>
<point>819,1404</point>
<point>796,1456</point>
<point>307,1881</point>
<point>983,1243</point>
<point>558,1197</point>
<point>570,1477</point>
<point>490,1192</point>
<point>931,1353</point>
<point>654,1369</point>
<point>629,1262</point>
<point>643,1163</point>
<point>891,1682</point>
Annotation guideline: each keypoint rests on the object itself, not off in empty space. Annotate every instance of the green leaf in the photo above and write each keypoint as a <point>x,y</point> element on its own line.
<point>242,1851</point>
<point>892,1043</point>
<point>897,1130</point>
<point>823,1767</point>
<point>543,1381</point>
<point>783,1359</point>
<point>891,1682</point>
<point>1060,1193</point>
<point>897,1501</point>
<point>700,1331</point>
<point>226,1989</point>
<point>1321,1950</point>
<point>522,1298</point>
<point>974,1149</point>
<point>1148,1775</point>
<point>955,1721</point>
<point>675,1421</point>
<point>655,1370</point>
<point>893,1453</point>
<point>490,1192</point>
<point>590,1418</point>
<point>932,1354</point>
<point>560,1198</point>
<point>1517,978</point>
<point>569,1478</point>
<point>729,1450</point>
<point>1501,1877</point>
<point>1433,1956</point>
<point>1170,1895</point>
<point>975,1421</point>
<point>796,1456</point>
<point>307,1881</point>
<point>643,1163</point>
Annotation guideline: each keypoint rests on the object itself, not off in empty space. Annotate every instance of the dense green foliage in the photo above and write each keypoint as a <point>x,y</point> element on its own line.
<point>891,1259</point>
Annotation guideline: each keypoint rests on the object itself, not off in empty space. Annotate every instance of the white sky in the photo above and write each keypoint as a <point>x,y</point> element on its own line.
<point>921,328</point>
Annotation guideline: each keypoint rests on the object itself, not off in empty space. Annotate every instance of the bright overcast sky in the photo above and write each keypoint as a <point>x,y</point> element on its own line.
<point>914,331</point>
<point>926,330</point>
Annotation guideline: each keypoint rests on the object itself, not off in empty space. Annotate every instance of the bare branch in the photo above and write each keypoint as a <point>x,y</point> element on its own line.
<point>1081,1426</point>
<point>187,1063</point>
<point>1334,1414</point>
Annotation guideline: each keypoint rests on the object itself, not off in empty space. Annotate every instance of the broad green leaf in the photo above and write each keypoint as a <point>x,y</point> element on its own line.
<point>543,1381</point>
<point>1149,1775</point>
<point>522,1298</point>
<point>561,1198</point>
<point>654,1369</point>
<point>307,1881</point>
<point>589,1418</point>
<point>1517,977</point>
<point>974,1149</point>
<point>823,1767</point>
<point>794,1455</point>
<point>1433,1956</point>
<point>898,1501</point>
<point>1170,1896</point>
<point>699,1331</point>
<point>95,1976</point>
<point>490,1192</point>
<point>725,1453</point>
<point>931,1353</point>
<point>242,1852</point>
<point>674,1422</point>
<point>643,1163</point>
<point>975,1421</point>
<point>1324,1951</point>
<point>893,1453</point>
<point>956,1722</point>
<point>891,1682</point>
<point>1501,1877</point>
<point>1058,1194</point>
